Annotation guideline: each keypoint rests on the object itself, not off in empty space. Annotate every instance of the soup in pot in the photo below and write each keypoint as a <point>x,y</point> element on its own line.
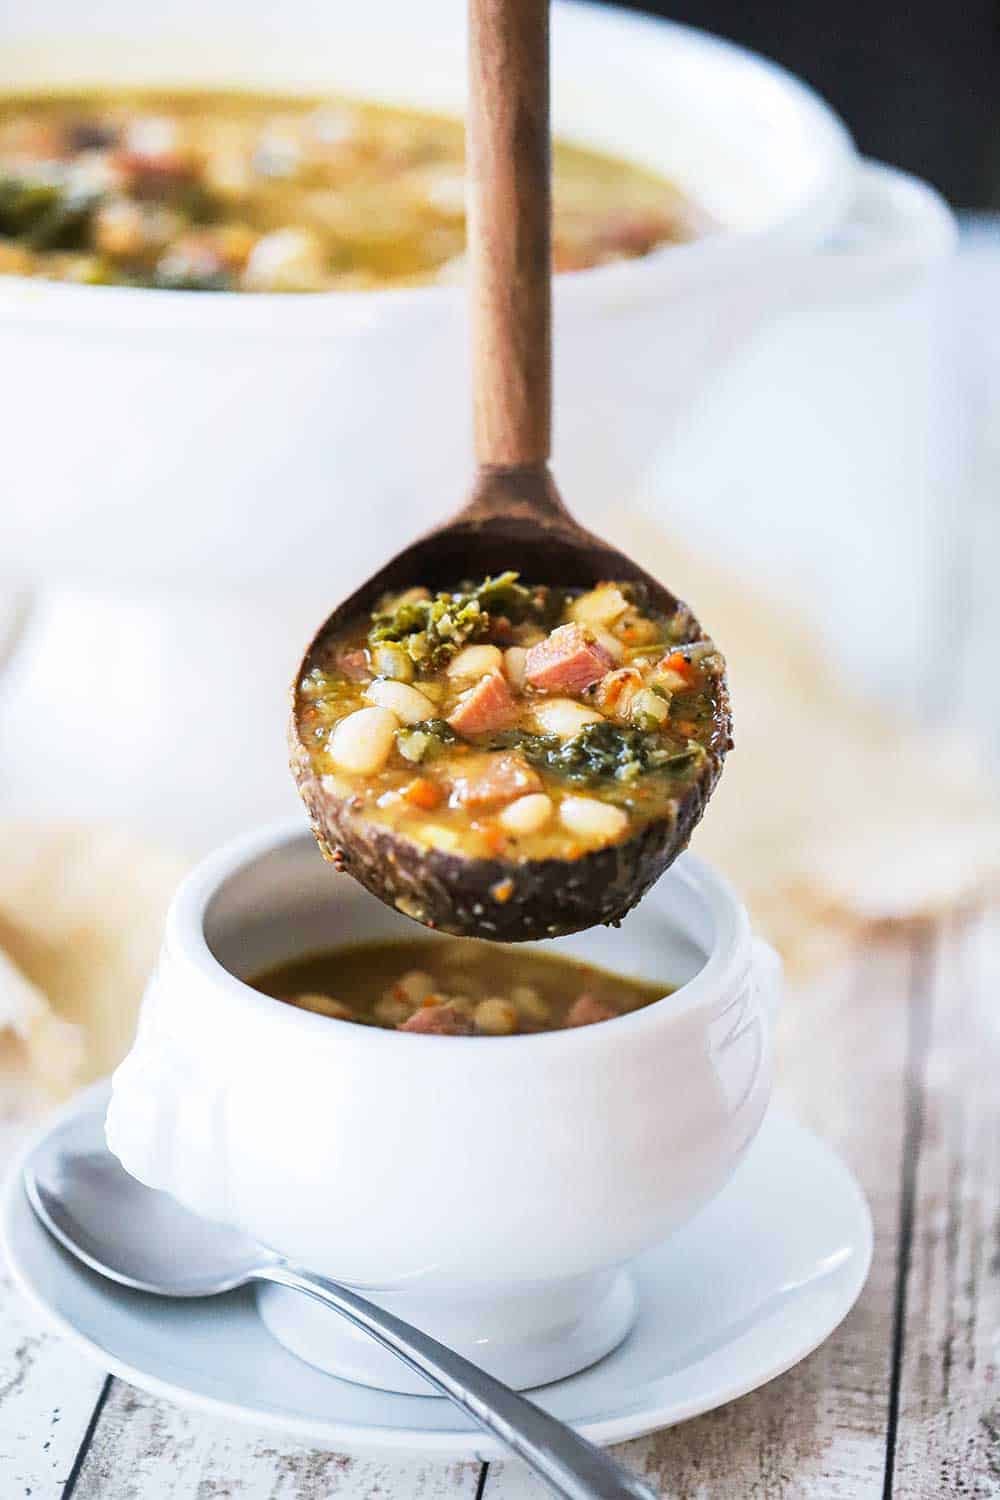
<point>239,192</point>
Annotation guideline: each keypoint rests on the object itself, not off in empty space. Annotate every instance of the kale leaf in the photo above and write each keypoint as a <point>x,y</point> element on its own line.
<point>601,752</point>
<point>433,630</point>
<point>25,200</point>
<point>420,742</point>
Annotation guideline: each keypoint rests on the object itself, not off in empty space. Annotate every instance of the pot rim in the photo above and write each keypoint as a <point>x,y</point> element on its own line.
<point>723,972</point>
<point>312,316</point>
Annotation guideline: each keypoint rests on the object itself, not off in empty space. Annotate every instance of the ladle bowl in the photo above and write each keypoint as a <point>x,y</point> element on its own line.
<point>512,515</point>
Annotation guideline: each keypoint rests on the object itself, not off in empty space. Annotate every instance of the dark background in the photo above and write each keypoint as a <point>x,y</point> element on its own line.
<point>918,84</point>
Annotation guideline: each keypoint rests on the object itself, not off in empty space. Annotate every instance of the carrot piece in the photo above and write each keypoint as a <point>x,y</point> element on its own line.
<point>678,662</point>
<point>495,838</point>
<point>422,792</point>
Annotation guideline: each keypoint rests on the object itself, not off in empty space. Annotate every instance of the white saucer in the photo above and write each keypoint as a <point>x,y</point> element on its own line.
<point>747,1289</point>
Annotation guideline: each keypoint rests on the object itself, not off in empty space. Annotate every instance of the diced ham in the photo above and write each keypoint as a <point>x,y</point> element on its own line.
<point>488,706</point>
<point>490,780</point>
<point>438,1020</point>
<point>567,661</point>
<point>587,1009</point>
<point>354,665</point>
<point>156,175</point>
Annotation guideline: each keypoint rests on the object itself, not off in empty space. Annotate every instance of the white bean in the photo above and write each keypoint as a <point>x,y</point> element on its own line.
<point>648,708</point>
<point>324,1005</point>
<point>531,1004</point>
<point>152,135</point>
<point>409,704</point>
<point>514,659</point>
<point>363,741</point>
<point>476,661</point>
<point>528,814</point>
<point>390,660</point>
<point>592,819</point>
<point>286,260</point>
<point>496,1017</point>
<point>611,643</point>
<point>415,986</point>
<point>564,717</point>
<point>389,602</point>
<point>602,606</point>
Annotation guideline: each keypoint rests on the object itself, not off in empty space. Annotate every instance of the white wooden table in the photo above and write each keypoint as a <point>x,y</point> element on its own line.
<point>895,1060</point>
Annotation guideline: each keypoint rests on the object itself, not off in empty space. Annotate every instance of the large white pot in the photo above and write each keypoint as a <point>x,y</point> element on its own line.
<point>195,479</point>
<point>148,434</point>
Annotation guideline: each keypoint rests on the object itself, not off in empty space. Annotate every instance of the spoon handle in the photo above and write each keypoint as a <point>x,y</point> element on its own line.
<point>509,230</point>
<point>574,1468</point>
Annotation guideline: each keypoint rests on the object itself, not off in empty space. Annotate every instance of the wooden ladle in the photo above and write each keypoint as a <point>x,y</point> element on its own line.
<point>514,518</point>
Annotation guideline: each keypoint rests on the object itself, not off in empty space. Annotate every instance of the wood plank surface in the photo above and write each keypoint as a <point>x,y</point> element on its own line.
<point>48,1391</point>
<point>894,1060</point>
<point>147,1449</point>
<point>947,1440</point>
<point>818,1431</point>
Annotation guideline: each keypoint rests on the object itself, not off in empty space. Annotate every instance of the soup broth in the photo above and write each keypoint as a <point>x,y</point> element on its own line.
<point>512,721</point>
<point>240,192</point>
<point>454,988</point>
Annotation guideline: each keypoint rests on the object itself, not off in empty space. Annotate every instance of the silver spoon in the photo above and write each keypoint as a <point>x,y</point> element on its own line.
<point>146,1240</point>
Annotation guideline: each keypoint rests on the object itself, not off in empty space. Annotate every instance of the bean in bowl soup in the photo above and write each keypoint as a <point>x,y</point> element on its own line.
<point>455,987</point>
<point>240,192</point>
<point>514,722</point>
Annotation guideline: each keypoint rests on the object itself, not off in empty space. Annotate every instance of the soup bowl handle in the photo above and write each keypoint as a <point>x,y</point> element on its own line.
<point>895,230</point>
<point>769,975</point>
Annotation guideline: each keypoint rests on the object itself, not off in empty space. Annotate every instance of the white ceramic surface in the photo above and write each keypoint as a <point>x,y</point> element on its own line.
<point>485,1188</point>
<point>211,445</point>
<point>207,434</point>
<point>749,1287</point>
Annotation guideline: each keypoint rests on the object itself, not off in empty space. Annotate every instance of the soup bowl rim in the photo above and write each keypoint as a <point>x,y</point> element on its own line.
<point>806,222</point>
<point>725,966</point>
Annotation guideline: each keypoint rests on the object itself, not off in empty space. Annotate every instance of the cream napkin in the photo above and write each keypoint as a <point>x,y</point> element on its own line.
<point>831,815</point>
<point>81,913</point>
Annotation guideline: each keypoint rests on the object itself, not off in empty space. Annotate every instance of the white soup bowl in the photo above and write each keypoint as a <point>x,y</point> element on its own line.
<point>489,1190</point>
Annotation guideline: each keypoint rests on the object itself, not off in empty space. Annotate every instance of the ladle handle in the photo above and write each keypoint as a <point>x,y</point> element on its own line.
<point>509,202</point>
<point>572,1468</point>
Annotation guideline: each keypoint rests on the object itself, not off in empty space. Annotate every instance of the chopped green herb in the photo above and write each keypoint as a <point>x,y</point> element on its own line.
<point>600,752</point>
<point>419,742</point>
<point>25,201</point>
<point>65,224</point>
<point>434,630</point>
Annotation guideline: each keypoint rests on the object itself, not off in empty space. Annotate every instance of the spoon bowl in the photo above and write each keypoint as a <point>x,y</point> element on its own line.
<point>133,1234</point>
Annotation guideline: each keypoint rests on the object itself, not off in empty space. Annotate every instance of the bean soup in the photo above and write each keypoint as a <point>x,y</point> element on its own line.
<point>239,192</point>
<point>454,987</point>
<point>515,722</point>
